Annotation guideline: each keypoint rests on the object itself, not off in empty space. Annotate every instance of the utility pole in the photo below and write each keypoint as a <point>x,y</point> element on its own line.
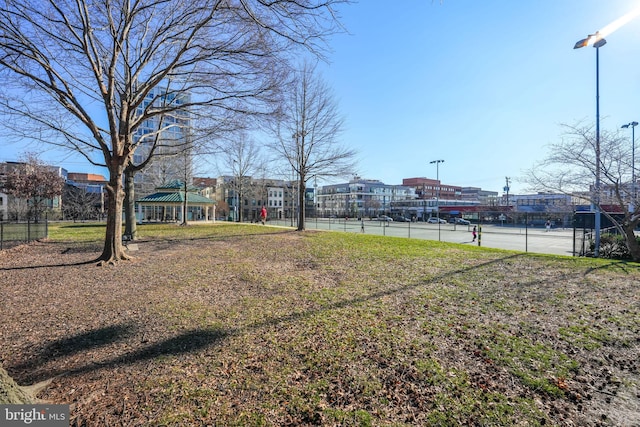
<point>506,188</point>
<point>437,163</point>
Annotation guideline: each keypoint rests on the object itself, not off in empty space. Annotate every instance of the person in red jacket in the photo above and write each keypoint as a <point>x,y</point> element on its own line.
<point>263,215</point>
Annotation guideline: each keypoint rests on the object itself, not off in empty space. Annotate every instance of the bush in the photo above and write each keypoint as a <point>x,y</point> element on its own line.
<point>612,246</point>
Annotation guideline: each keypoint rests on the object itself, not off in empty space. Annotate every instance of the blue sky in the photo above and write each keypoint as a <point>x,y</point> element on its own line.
<point>482,84</point>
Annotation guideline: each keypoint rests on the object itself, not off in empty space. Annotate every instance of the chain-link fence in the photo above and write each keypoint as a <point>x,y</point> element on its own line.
<point>15,233</point>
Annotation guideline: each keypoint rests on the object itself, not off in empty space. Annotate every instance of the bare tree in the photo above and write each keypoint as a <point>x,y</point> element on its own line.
<point>17,209</point>
<point>79,203</point>
<point>571,168</point>
<point>83,73</point>
<point>35,182</point>
<point>307,133</point>
<point>241,154</point>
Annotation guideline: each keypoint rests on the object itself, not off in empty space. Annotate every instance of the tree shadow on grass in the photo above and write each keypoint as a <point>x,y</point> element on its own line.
<point>35,267</point>
<point>71,345</point>
<point>622,266</point>
<point>379,294</point>
<point>185,342</point>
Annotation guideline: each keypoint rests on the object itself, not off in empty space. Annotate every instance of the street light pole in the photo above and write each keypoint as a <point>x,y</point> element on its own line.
<point>597,42</point>
<point>437,162</point>
<point>633,163</point>
<point>235,192</point>
<point>315,199</point>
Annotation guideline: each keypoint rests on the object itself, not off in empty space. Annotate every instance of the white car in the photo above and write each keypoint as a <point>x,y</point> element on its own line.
<point>434,220</point>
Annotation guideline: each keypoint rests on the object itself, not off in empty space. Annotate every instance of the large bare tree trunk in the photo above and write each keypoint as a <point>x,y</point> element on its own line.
<point>11,393</point>
<point>185,204</point>
<point>632,242</point>
<point>113,250</point>
<point>301,203</point>
<point>130,227</point>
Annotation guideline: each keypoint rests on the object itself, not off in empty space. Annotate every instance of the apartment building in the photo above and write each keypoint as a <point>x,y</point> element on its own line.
<point>172,156</point>
<point>360,197</point>
<point>427,188</point>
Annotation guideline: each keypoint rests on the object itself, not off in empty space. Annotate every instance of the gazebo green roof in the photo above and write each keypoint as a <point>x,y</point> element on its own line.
<point>165,197</point>
<point>173,193</point>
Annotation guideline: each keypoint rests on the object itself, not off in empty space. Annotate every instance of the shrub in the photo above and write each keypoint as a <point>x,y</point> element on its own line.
<point>612,246</point>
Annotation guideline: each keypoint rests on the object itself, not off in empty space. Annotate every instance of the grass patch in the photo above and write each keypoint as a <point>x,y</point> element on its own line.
<point>238,324</point>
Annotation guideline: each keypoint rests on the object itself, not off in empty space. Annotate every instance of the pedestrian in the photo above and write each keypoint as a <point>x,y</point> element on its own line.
<point>362,225</point>
<point>548,225</point>
<point>263,214</point>
<point>473,233</point>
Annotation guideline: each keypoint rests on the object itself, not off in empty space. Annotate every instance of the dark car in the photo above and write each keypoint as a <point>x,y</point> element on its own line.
<point>462,221</point>
<point>400,218</point>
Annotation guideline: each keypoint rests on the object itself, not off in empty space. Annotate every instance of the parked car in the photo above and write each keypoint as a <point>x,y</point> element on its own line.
<point>400,218</point>
<point>434,220</point>
<point>459,221</point>
<point>384,218</point>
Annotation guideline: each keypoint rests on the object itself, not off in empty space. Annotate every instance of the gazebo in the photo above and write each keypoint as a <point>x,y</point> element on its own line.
<point>168,202</point>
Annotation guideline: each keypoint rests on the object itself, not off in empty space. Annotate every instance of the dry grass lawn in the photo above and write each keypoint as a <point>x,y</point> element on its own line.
<point>250,325</point>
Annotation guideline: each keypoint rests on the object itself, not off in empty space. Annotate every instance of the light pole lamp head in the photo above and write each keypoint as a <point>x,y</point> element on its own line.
<point>599,43</point>
<point>594,39</point>
<point>581,43</point>
<point>632,124</point>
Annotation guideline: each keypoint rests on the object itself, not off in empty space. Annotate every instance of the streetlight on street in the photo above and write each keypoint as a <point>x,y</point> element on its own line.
<point>597,41</point>
<point>633,162</point>
<point>437,162</point>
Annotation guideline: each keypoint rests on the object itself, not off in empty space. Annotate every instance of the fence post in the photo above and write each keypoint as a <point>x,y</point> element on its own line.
<point>1,235</point>
<point>28,230</point>
<point>526,232</point>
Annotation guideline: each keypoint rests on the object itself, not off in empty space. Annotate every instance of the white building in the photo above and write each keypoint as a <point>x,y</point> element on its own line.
<point>276,201</point>
<point>360,197</point>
